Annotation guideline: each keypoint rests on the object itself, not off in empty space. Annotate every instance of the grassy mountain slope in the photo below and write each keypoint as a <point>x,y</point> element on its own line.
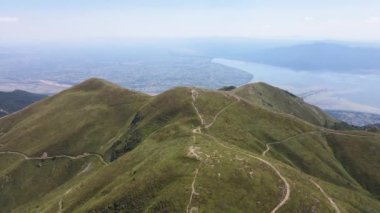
<point>297,144</point>
<point>79,119</point>
<point>186,149</point>
<point>365,169</point>
<point>278,100</point>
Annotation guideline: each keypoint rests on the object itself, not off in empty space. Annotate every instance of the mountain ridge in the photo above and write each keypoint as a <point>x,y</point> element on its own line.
<point>187,149</point>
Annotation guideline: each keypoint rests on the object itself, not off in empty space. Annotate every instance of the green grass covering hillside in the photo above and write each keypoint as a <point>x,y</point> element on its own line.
<point>360,157</point>
<point>278,100</point>
<point>81,119</point>
<point>108,149</point>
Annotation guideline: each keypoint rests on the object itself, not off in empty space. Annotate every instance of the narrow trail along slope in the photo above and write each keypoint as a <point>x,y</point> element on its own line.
<point>60,203</point>
<point>268,145</point>
<point>186,149</point>
<point>221,111</point>
<point>46,157</point>
<point>286,196</point>
<point>333,204</point>
<point>190,209</point>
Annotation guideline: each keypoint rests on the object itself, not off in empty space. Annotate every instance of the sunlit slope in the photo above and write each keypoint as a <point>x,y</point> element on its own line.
<point>81,119</point>
<point>188,150</point>
<point>278,100</point>
<point>309,148</point>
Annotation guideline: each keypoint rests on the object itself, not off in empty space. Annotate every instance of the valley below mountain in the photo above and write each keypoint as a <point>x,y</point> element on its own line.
<point>97,147</point>
<point>14,101</point>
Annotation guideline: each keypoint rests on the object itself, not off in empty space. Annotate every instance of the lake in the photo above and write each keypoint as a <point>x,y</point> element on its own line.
<point>326,89</point>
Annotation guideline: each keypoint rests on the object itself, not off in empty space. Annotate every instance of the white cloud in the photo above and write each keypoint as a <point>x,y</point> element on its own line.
<point>308,19</point>
<point>268,26</point>
<point>9,19</point>
<point>373,20</point>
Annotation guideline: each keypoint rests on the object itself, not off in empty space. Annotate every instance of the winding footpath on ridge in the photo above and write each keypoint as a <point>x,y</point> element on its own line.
<point>190,209</point>
<point>46,157</point>
<point>333,204</point>
<point>268,145</point>
<point>286,195</point>
<point>60,203</point>
<point>197,130</point>
<point>220,112</point>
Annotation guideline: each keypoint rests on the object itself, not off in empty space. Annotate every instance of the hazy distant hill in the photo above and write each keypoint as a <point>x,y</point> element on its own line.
<point>320,56</point>
<point>97,147</point>
<point>372,127</point>
<point>355,118</point>
<point>16,100</point>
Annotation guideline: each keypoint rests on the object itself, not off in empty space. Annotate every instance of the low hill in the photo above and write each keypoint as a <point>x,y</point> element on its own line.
<point>100,148</point>
<point>14,101</point>
<point>278,100</point>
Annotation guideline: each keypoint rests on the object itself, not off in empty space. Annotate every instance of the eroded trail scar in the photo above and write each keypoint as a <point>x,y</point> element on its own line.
<point>197,130</point>
<point>287,191</point>
<point>194,95</point>
<point>193,153</point>
<point>46,157</point>
<point>332,203</point>
<point>268,145</point>
<point>193,192</point>
<point>220,112</point>
<point>60,206</point>
<point>60,203</point>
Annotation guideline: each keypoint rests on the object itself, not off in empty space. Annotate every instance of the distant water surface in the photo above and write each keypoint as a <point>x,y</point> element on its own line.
<point>327,89</point>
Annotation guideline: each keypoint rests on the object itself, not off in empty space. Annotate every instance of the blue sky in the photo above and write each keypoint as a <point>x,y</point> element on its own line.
<point>51,20</point>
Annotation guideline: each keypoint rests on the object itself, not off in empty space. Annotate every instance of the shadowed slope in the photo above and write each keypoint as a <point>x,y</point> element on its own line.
<point>13,101</point>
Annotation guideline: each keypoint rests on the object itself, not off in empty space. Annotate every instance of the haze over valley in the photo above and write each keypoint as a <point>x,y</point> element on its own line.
<point>347,80</point>
<point>263,106</point>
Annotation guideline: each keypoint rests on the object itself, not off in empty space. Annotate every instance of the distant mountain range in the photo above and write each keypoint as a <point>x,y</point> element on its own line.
<point>372,127</point>
<point>355,118</point>
<point>321,56</point>
<point>316,56</point>
<point>14,101</point>
<point>97,147</point>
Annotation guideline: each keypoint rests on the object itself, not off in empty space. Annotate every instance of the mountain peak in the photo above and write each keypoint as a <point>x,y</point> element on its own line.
<point>279,100</point>
<point>106,149</point>
<point>95,84</point>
